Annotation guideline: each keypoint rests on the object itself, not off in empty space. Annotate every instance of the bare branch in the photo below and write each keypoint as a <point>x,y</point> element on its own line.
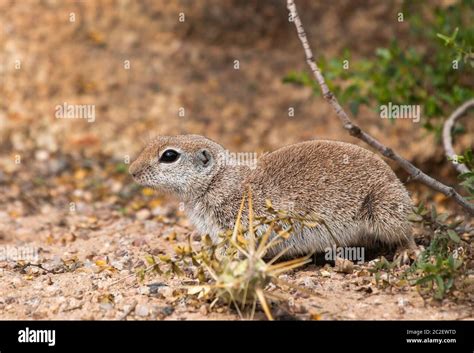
<point>448,139</point>
<point>354,130</point>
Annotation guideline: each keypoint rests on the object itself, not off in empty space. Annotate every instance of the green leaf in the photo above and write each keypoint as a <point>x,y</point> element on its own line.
<point>454,236</point>
<point>442,217</point>
<point>441,289</point>
<point>150,259</point>
<point>446,39</point>
<point>434,214</point>
<point>425,279</point>
<point>415,218</point>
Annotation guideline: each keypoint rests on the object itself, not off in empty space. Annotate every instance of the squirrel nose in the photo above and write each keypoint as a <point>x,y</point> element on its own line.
<point>134,169</point>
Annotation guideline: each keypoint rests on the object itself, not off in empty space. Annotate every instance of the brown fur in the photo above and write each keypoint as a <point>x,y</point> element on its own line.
<point>353,190</point>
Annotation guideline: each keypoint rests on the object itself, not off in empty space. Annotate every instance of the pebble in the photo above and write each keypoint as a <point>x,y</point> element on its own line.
<point>344,266</point>
<point>325,273</point>
<point>116,187</point>
<point>402,302</point>
<point>117,264</point>
<point>300,309</point>
<point>139,242</point>
<point>106,306</point>
<point>142,310</point>
<point>167,292</point>
<point>308,283</point>
<point>144,290</point>
<point>143,214</point>
<point>203,310</point>
<point>41,155</point>
<point>284,315</point>
<point>155,287</point>
<point>167,310</point>
<point>78,193</point>
<point>56,166</point>
<point>160,312</point>
<point>10,300</point>
<point>150,226</point>
<point>158,211</point>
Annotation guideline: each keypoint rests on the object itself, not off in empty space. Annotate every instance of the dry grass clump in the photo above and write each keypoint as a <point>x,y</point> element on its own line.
<point>236,270</point>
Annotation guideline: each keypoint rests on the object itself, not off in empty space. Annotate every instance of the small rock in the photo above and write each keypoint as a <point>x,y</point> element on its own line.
<point>308,282</point>
<point>300,309</point>
<point>155,287</point>
<point>325,273</point>
<point>367,289</point>
<point>167,292</point>
<point>10,300</point>
<point>158,211</point>
<point>120,252</point>
<point>344,265</point>
<point>41,155</point>
<point>106,306</point>
<point>402,302</point>
<point>150,226</point>
<point>143,214</point>
<point>88,196</point>
<point>142,310</point>
<point>144,290</point>
<point>203,310</point>
<point>283,315</point>
<point>118,298</point>
<point>117,264</point>
<point>78,193</point>
<point>34,270</point>
<point>167,310</point>
<point>139,242</point>
<point>116,187</point>
<point>56,166</point>
<point>160,312</point>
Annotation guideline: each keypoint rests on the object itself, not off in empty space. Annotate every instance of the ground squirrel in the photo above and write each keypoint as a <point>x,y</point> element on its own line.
<point>353,190</point>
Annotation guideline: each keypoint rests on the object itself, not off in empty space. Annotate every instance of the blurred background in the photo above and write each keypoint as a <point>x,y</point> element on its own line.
<point>231,70</point>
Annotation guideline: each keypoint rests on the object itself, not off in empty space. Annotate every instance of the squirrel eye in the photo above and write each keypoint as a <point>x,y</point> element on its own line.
<point>169,156</point>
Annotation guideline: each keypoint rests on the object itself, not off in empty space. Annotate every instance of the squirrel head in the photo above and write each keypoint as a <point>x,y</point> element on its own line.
<point>184,165</point>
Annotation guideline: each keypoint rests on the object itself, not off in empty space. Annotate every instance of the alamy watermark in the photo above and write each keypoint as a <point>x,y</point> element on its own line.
<point>37,336</point>
<point>19,253</point>
<point>75,111</point>
<point>400,111</point>
<point>355,254</point>
<point>248,159</point>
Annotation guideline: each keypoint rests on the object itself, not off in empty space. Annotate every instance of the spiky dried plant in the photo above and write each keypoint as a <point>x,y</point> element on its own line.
<point>235,270</point>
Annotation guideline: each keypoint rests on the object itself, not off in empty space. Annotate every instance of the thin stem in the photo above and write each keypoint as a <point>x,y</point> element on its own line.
<point>356,131</point>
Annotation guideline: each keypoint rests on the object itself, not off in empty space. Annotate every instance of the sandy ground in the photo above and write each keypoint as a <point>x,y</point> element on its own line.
<point>90,263</point>
<point>64,191</point>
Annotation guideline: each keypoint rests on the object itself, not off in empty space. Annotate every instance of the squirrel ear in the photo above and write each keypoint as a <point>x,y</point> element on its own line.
<point>204,158</point>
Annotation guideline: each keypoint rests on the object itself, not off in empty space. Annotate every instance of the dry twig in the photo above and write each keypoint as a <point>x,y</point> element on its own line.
<point>447,137</point>
<point>356,131</point>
